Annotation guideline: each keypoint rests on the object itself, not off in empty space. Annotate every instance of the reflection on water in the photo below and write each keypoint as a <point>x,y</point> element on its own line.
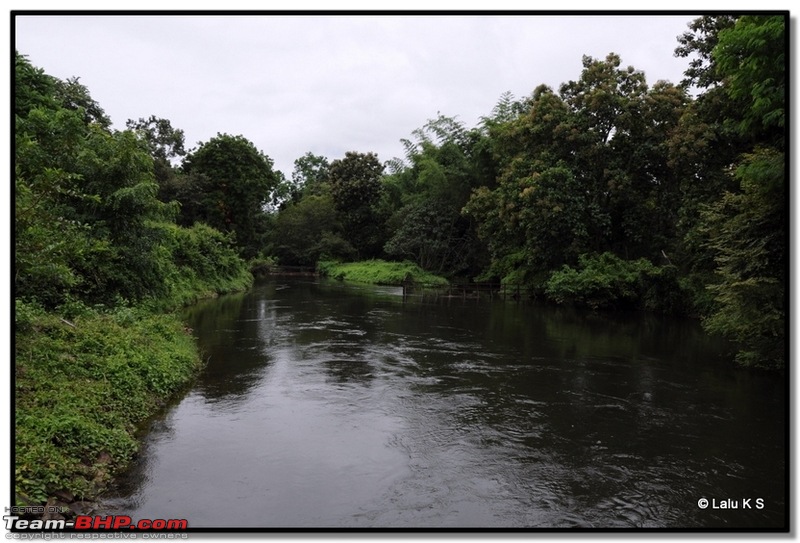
<point>324,405</point>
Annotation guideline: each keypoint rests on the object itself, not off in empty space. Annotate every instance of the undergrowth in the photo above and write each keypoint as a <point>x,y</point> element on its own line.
<point>81,387</point>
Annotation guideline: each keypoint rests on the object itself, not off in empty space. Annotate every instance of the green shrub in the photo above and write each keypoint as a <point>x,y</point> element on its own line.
<point>198,262</point>
<point>26,314</point>
<point>607,282</point>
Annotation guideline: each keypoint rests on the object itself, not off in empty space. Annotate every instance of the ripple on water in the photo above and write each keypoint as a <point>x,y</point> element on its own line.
<point>328,410</point>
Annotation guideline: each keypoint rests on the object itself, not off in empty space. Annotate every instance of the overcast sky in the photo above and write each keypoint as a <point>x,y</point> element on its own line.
<point>331,84</point>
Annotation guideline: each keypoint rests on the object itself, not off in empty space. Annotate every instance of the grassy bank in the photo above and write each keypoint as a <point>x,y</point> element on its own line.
<point>82,386</point>
<point>86,377</point>
<point>380,272</point>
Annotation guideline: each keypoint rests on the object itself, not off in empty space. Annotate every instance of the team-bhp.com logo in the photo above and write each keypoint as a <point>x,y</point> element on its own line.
<point>86,522</point>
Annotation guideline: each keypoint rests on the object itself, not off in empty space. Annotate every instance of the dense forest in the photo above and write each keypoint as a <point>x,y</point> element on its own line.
<point>607,193</point>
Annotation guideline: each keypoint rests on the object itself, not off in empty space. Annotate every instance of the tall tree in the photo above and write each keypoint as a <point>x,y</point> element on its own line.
<point>309,177</point>
<point>751,59</point>
<point>234,180</point>
<point>748,226</point>
<point>356,190</point>
<point>581,171</point>
<point>444,162</point>
<point>308,231</point>
<point>165,144</point>
<point>748,240</point>
<point>699,43</point>
<point>310,172</point>
<point>85,200</point>
<point>702,147</point>
<point>75,96</point>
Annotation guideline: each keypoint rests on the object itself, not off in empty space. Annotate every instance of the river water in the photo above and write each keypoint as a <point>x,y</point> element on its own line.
<point>325,405</point>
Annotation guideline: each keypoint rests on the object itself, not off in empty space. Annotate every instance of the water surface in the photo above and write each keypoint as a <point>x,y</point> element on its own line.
<point>327,405</point>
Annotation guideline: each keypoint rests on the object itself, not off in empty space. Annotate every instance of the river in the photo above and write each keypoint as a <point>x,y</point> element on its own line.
<point>327,405</point>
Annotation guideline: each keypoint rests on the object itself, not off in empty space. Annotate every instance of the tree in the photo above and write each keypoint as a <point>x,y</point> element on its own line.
<point>751,59</point>
<point>746,227</point>
<point>88,225</point>
<point>32,87</point>
<point>580,172</point>
<point>700,42</point>
<point>434,235</point>
<point>748,240</point>
<point>311,172</point>
<point>234,180</point>
<point>356,190</point>
<point>163,141</point>
<point>165,144</point>
<point>310,177</point>
<point>48,243</point>
<point>85,201</point>
<point>308,231</point>
<point>74,96</point>
<point>701,149</point>
<point>444,162</point>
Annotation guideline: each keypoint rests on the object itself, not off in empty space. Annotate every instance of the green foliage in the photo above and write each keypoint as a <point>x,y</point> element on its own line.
<point>309,230</point>
<point>197,262</point>
<point>608,282</point>
<point>607,166</point>
<point>88,223</point>
<point>750,58</point>
<point>309,178</point>
<point>434,235</point>
<point>355,181</point>
<point>81,389</point>
<point>748,239</point>
<point>163,141</point>
<point>356,189</point>
<point>74,96</point>
<point>427,193</point>
<point>83,196</point>
<point>740,230</point>
<point>699,43</point>
<point>233,182</point>
<point>34,89</point>
<point>310,175</point>
<point>261,265</point>
<point>380,272</point>
<point>580,172</point>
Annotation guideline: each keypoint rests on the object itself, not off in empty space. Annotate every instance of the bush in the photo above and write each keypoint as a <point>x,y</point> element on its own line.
<point>198,262</point>
<point>608,282</point>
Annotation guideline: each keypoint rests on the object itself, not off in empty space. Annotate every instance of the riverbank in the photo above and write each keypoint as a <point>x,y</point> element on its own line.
<point>85,379</point>
<point>380,272</point>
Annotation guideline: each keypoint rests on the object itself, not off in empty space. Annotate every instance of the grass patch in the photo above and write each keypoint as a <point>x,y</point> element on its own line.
<point>380,272</point>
